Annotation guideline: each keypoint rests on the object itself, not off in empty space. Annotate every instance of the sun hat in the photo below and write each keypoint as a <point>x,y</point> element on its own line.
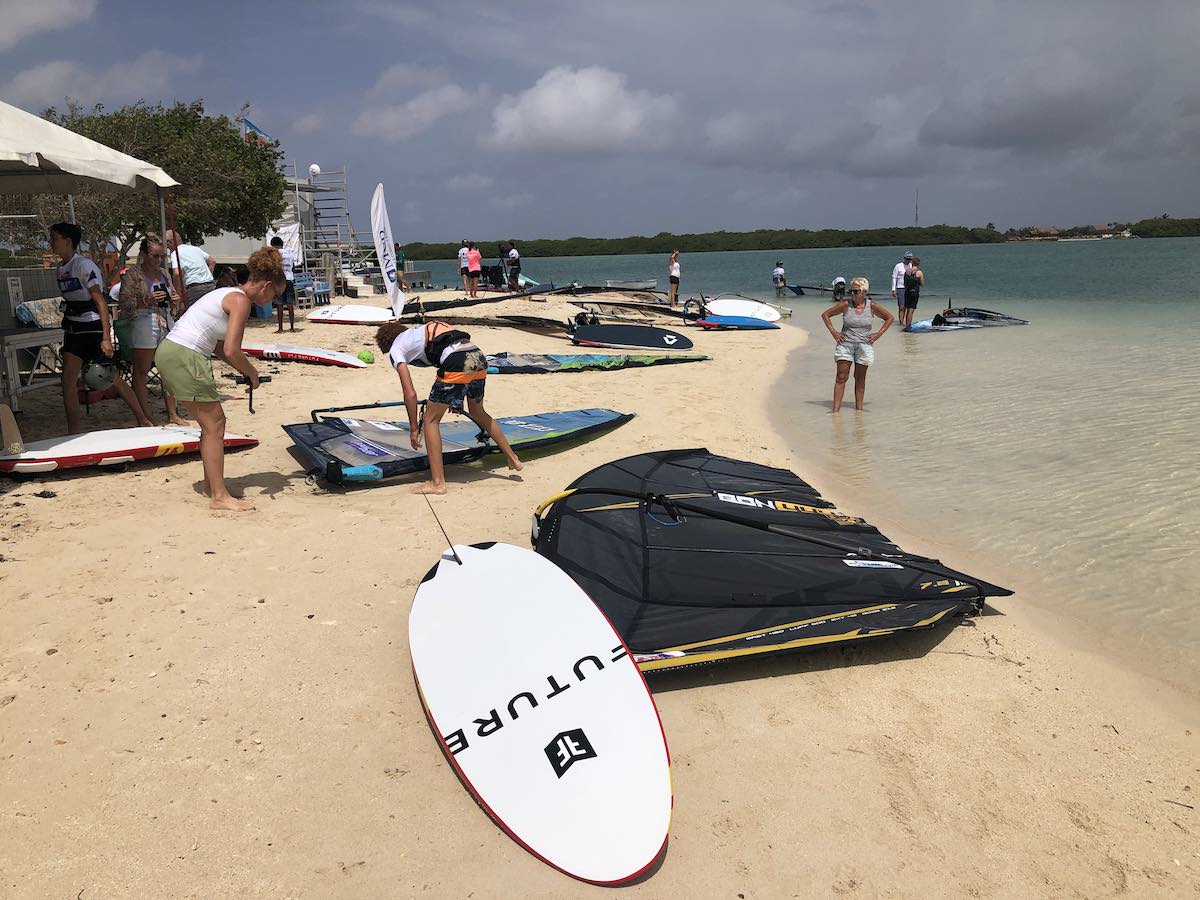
<point>908,254</point>
<point>839,280</point>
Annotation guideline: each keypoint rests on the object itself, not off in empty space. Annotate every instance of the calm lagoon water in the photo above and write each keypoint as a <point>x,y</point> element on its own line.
<point>1069,447</point>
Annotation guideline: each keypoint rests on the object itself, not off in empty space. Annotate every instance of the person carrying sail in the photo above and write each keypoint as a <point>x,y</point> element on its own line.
<point>461,374</point>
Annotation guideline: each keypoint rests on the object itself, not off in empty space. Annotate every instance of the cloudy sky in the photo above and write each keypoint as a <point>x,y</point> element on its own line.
<point>632,117</point>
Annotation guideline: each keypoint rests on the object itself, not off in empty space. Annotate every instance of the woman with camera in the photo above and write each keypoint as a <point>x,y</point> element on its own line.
<point>149,301</point>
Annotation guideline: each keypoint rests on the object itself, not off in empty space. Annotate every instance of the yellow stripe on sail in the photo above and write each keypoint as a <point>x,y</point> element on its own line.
<point>717,655</point>
<point>784,627</point>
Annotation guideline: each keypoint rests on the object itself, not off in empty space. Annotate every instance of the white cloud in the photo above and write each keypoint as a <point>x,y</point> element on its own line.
<point>307,124</point>
<point>52,82</point>
<point>582,111</point>
<point>23,19</point>
<point>399,123</point>
<point>406,75</point>
<point>473,181</point>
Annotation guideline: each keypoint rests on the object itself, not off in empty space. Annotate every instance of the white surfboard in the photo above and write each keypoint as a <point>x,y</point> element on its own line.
<point>290,353</point>
<point>351,314</point>
<point>111,447</point>
<point>737,306</point>
<point>542,712</point>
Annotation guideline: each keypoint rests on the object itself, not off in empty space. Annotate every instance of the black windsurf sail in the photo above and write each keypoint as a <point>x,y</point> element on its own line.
<point>344,450</point>
<point>544,363</point>
<point>697,558</point>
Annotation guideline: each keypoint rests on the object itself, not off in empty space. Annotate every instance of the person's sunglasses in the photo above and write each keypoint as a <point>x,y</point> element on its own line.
<point>857,291</point>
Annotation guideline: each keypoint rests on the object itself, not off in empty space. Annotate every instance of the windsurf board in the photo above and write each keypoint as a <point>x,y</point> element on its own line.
<point>634,337</point>
<point>738,306</point>
<point>111,447</point>
<point>290,353</point>
<point>741,323</point>
<point>363,450</point>
<point>351,314</point>
<point>539,708</point>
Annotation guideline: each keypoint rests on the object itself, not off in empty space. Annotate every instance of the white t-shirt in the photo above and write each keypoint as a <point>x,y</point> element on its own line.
<point>514,256</point>
<point>898,276</point>
<point>778,275</point>
<point>462,257</point>
<point>204,323</point>
<point>289,259</point>
<point>409,348</point>
<point>675,270</point>
<point>195,264</point>
<point>76,278</point>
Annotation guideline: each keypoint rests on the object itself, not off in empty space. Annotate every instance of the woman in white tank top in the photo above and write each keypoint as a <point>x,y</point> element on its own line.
<point>215,324</point>
<point>856,341</point>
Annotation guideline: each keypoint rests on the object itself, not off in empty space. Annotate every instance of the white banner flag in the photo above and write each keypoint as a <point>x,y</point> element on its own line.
<point>385,250</point>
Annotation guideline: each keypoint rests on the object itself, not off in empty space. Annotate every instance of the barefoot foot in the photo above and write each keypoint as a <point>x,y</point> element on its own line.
<point>516,465</point>
<point>231,503</point>
<point>428,488</point>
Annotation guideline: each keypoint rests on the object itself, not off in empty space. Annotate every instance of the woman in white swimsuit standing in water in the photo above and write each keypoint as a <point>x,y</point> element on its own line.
<point>855,342</point>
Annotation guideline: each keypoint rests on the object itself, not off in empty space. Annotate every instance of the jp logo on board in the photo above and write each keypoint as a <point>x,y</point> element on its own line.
<point>567,749</point>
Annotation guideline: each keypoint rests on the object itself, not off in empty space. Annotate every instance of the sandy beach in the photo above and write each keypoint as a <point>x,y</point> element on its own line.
<point>208,705</point>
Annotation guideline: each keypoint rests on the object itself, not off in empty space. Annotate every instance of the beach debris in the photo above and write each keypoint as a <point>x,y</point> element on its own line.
<point>46,495</point>
<point>1177,803</point>
<point>51,651</point>
<point>7,699</point>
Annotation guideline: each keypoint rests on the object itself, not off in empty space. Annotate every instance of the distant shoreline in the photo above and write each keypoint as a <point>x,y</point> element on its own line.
<point>803,239</point>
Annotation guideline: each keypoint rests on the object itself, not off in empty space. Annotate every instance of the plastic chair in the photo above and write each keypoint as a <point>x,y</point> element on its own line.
<point>305,295</point>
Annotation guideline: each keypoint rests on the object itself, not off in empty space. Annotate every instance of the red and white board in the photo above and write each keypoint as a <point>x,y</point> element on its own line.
<point>351,314</point>
<point>543,714</point>
<point>112,447</point>
<point>290,353</point>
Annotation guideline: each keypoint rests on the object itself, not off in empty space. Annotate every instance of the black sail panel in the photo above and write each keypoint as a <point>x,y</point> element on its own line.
<point>696,558</point>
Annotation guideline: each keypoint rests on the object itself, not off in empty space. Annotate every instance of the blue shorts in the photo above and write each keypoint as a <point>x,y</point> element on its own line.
<point>461,376</point>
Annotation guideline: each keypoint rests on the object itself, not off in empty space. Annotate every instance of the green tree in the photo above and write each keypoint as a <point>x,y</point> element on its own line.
<point>226,184</point>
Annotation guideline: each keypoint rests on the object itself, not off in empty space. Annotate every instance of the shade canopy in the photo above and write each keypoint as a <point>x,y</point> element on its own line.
<point>39,157</point>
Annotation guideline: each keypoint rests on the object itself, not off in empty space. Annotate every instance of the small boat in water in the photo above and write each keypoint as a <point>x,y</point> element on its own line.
<point>964,317</point>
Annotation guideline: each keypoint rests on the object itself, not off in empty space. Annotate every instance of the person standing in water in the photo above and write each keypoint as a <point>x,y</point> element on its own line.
<point>779,278</point>
<point>898,271</point>
<point>87,335</point>
<point>461,375</point>
<point>673,274</point>
<point>855,342</point>
<point>914,280</point>
<point>215,324</point>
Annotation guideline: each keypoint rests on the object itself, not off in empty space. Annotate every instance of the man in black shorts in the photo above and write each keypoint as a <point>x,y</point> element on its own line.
<point>463,270</point>
<point>86,332</point>
<point>288,297</point>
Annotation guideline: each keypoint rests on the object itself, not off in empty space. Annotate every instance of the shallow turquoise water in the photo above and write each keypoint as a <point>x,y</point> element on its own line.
<point>1068,447</point>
